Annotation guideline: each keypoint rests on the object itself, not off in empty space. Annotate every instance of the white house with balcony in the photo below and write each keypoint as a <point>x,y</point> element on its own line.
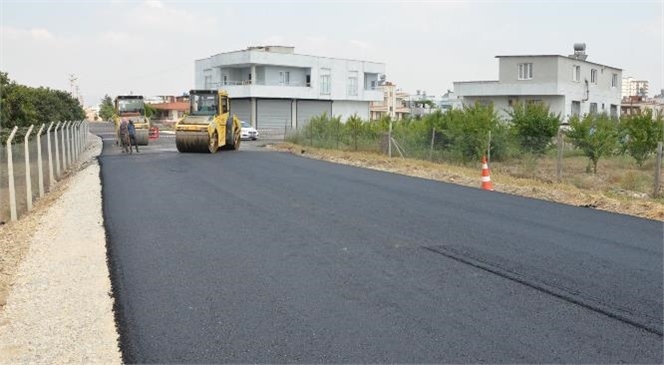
<point>569,85</point>
<point>274,88</point>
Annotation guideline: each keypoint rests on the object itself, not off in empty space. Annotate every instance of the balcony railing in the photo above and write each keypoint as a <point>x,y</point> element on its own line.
<point>249,82</point>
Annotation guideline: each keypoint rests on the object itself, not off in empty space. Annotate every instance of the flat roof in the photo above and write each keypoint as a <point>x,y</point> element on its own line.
<point>557,55</point>
<point>288,54</point>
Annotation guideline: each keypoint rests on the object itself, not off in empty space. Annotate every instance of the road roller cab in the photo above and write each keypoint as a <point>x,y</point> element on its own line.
<point>132,107</point>
<point>210,125</point>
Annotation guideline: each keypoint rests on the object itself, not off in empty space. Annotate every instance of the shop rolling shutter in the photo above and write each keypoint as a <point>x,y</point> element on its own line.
<point>273,114</point>
<point>306,109</point>
<point>242,109</point>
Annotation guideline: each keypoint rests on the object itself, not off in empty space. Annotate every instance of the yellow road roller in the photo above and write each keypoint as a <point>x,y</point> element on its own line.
<point>132,107</point>
<point>209,125</point>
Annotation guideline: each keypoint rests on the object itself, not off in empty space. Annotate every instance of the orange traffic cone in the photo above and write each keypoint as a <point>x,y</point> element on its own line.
<point>486,176</point>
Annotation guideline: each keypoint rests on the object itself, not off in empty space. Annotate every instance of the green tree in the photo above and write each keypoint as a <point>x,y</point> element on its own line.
<point>469,130</point>
<point>22,106</point>
<point>150,110</point>
<point>596,135</point>
<point>106,108</point>
<point>640,133</point>
<point>534,126</point>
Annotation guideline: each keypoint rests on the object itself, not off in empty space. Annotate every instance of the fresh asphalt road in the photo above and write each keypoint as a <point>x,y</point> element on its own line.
<point>264,257</point>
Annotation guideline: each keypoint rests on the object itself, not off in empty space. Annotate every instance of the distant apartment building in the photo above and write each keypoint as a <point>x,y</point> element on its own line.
<point>394,103</point>
<point>569,85</point>
<point>91,112</point>
<point>638,104</point>
<point>632,87</point>
<point>272,87</point>
<point>449,101</point>
<point>422,104</point>
<point>160,99</point>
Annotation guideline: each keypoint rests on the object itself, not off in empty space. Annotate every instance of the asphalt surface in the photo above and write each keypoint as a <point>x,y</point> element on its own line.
<point>254,256</point>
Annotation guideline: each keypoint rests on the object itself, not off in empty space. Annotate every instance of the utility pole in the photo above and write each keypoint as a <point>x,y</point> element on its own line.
<point>73,88</point>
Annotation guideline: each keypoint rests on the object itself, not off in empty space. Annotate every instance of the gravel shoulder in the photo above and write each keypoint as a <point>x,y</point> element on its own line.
<point>59,307</point>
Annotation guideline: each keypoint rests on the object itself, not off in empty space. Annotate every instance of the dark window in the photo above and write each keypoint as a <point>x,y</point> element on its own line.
<point>576,108</point>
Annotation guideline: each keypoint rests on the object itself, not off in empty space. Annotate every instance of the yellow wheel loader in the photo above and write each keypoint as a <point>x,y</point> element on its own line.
<point>132,107</point>
<point>209,125</point>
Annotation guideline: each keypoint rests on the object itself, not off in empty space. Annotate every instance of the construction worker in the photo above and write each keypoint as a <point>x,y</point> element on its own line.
<point>124,135</point>
<point>132,136</point>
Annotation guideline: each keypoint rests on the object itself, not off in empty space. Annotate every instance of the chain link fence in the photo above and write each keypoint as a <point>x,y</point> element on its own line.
<point>33,159</point>
<point>562,162</point>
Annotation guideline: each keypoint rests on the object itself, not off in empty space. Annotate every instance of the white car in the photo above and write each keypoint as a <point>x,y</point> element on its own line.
<point>248,132</point>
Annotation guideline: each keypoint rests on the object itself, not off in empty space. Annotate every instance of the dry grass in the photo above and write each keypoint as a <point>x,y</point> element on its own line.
<point>607,190</point>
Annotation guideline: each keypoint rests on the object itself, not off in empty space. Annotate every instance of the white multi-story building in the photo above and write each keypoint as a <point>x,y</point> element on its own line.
<point>275,88</point>
<point>394,103</point>
<point>632,87</point>
<point>568,85</point>
<point>449,101</point>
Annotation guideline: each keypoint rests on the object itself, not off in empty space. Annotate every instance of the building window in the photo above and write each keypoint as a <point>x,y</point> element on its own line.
<point>325,81</point>
<point>593,108</point>
<point>614,80</point>
<point>534,101</point>
<point>576,108</point>
<point>576,73</point>
<point>614,110</point>
<point>525,71</point>
<point>284,77</point>
<point>593,76</point>
<point>352,83</point>
<point>225,80</point>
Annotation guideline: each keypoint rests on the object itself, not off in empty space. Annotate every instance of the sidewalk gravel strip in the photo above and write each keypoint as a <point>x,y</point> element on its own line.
<point>60,308</point>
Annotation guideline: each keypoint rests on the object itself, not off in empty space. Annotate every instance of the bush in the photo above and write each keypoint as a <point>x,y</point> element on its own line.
<point>596,135</point>
<point>640,133</point>
<point>534,127</point>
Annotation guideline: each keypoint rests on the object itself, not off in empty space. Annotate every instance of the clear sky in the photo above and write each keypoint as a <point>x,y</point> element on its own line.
<point>149,47</point>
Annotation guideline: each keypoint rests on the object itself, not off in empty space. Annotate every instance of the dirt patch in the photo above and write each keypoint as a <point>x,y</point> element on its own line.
<point>615,200</point>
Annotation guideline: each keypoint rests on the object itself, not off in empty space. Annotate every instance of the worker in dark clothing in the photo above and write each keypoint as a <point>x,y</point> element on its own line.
<point>124,135</point>
<point>132,136</point>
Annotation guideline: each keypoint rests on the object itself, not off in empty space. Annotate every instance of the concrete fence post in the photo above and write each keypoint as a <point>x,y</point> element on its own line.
<point>79,144</point>
<point>65,143</point>
<point>10,170</point>
<point>57,149</point>
<point>40,165</point>
<point>62,140</point>
<point>50,156</point>
<point>74,142</point>
<point>79,139</point>
<point>28,178</point>
<point>69,151</point>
